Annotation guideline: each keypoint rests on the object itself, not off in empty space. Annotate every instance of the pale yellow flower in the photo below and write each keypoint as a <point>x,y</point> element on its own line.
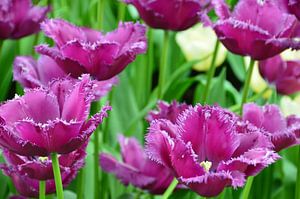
<point>197,43</point>
<point>290,106</point>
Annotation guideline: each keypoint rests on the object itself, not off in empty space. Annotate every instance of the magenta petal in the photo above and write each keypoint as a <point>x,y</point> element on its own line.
<point>77,102</point>
<point>67,65</point>
<point>270,117</point>
<point>159,141</point>
<point>251,162</point>
<point>124,172</point>
<point>211,132</point>
<point>85,132</point>
<point>12,142</point>
<point>48,69</point>
<point>183,157</point>
<point>61,31</point>
<point>96,58</point>
<point>132,152</point>
<point>210,184</point>
<point>31,22</point>
<point>167,111</point>
<point>25,71</point>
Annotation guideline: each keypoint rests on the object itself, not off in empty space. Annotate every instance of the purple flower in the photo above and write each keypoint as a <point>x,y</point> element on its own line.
<point>81,50</point>
<point>285,75</point>
<point>32,74</point>
<point>167,111</point>
<point>209,148</point>
<point>248,30</point>
<point>40,168</point>
<point>47,120</point>
<point>170,15</point>
<point>18,18</point>
<point>136,168</point>
<point>284,132</point>
<point>29,187</point>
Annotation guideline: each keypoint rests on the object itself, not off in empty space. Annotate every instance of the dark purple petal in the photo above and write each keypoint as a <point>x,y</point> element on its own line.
<point>251,162</point>
<point>132,152</point>
<point>67,65</point>
<point>159,141</point>
<point>167,111</point>
<point>210,184</point>
<point>126,173</point>
<point>159,13</point>
<point>25,72</point>
<point>20,18</point>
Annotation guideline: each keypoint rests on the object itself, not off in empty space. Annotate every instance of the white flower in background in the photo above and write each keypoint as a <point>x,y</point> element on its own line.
<point>290,106</point>
<point>197,43</point>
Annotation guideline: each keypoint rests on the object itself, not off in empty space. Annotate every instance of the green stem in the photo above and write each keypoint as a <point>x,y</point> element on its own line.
<point>80,184</point>
<point>57,176</point>
<point>236,107</point>
<point>297,190</point>
<point>94,109</point>
<point>42,191</point>
<point>170,189</point>
<point>247,85</point>
<point>210,72</point>
<point>246,191</point>
<point>1,45</point>
<point>163,64</point>
<point>100,13</point>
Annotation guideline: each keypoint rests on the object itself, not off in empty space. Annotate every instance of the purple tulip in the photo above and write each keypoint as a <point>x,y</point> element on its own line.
<point>81,50</point>
<point>29,187</point>
<point>48,120</point>
<point>40,168</point>
<point>248,30</point>
<point>32,74</point>
<point>18,18</point>
<point>167,111</point>
<point>136,168</point>
<point>170,15</point>
<point>285,75</point>
<point>284,132</point>
<point>209,148</point>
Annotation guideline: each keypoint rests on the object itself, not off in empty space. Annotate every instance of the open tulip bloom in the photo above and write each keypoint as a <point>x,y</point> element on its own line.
<point>209,148</point>
<point>18,18</point>
<point>33,74</point>
<point>80,50</point>
<point>49,120</point>
<point>248,30</point>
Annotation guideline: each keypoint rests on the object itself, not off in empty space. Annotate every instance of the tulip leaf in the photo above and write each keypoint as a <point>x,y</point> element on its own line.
<point>237,65</point>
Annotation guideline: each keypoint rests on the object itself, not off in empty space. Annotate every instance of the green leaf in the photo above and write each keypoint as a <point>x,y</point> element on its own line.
<point>237,65</point>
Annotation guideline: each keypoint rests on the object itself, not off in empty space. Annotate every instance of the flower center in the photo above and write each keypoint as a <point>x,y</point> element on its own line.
<point>43,159</point>
<point>206,165</point>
